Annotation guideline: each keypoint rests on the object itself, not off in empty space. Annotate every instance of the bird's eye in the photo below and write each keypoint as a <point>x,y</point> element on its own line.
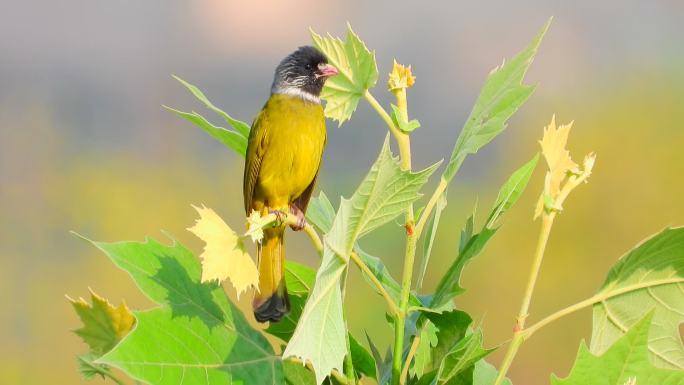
<point>308,67</point>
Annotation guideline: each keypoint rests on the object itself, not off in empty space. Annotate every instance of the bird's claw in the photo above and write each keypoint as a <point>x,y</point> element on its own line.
<point>301,220</point>
<point>279,216</point>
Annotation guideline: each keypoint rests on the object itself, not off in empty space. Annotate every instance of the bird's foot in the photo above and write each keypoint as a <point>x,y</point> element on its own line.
<point>279,216</point>
<point>301,220</point>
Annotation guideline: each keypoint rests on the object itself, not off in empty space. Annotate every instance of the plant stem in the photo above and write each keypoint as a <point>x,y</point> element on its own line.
<point>547,223</point>
<point>383,114</point>
<point>409,357</point>
<point>404,143</point>
<point>518,334</point>
<point>390,302</point>
<point>441,187</point>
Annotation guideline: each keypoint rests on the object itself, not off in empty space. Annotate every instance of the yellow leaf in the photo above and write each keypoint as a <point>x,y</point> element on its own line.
<point>224,253</point>
<point>557,156</point>
<point>400,77</point>
<point>103,324</point>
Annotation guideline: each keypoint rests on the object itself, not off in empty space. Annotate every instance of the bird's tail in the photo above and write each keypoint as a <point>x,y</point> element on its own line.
<point>271,303</point>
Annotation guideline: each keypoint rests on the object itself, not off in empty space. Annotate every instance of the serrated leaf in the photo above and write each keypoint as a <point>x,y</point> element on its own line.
<point>429,239</point>
<point>88,368</point>
<point>512,190</point>
<point>459,365</point>
<point>103,324</point>
<point>205,338</point>
<point>470,244</point>
<point>625,362</point>
<point>321,215</point>
<point>320,334</point>
<point>224,256</point>
<point>449,286</point>
<point>357,72</point>
<point>650,277</point>
<point>423,357</point>
<point>558,162</point>
<point>384,193</point>
<point>502,95</point>
<point>241,127</point>
<point>452,327</point>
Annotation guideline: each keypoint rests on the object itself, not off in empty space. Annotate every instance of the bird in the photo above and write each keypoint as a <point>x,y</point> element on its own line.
<point>284,154</point>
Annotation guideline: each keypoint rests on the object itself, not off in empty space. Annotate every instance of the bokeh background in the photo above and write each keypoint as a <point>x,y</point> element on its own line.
<point>85,145</point>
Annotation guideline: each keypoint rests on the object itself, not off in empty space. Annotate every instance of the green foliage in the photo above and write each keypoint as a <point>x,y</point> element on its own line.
<point>383,194</point>
<point>235,139</point>
<point>472,244</point>
<point>195,334</point>
<point>501,96</point>
<point>649,278</point>
<point>403,124</point>
<point>357,73</point>
<point>626,362</point>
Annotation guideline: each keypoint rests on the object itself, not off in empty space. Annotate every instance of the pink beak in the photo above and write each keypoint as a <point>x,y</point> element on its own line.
<point>327,71</point>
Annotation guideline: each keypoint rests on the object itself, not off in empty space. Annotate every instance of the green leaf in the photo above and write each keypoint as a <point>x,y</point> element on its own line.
<point>320,213</point>
<point>297,374</point>
<point>501,96</point>
<point>363,361</point>
<point>196,335</point>
<point>472,244</point>
<point>650,277</point>
<point>452,327</point>
<point>103,324</point>
<point>383,194</point>
<point>379,270</point>
<point>357,72</point>
<point>423,357</point>
<point>429,238</point>
<point>320,333</point>
<point>626,362</point>
<point>383,366</point>
<point>512,190</point>
<point>88,368</point>
<point>449,286</point>
<point>239,126</point>
<point>485,374</point>
<point>459,365</point>
<point>457,351</point>
<point>401,123</point>
<point>231,139</point>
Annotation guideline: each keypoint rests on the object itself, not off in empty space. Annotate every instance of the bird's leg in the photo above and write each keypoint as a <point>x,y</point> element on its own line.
<point>279,216</point>
<point>301,220</point>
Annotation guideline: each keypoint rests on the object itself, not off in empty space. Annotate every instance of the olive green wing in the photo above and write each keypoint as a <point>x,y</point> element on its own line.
<point>256,147</point>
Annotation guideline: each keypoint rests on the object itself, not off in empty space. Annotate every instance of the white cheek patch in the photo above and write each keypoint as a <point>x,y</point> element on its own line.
<point>294,91</point>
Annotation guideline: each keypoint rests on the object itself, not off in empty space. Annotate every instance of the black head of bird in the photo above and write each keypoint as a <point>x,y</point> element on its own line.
<point>302,73</point>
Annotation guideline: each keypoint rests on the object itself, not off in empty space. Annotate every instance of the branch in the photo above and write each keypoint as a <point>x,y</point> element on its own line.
<point>378,285</point>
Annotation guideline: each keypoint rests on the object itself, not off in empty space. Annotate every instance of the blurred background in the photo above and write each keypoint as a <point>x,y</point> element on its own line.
<point>86,146</point>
